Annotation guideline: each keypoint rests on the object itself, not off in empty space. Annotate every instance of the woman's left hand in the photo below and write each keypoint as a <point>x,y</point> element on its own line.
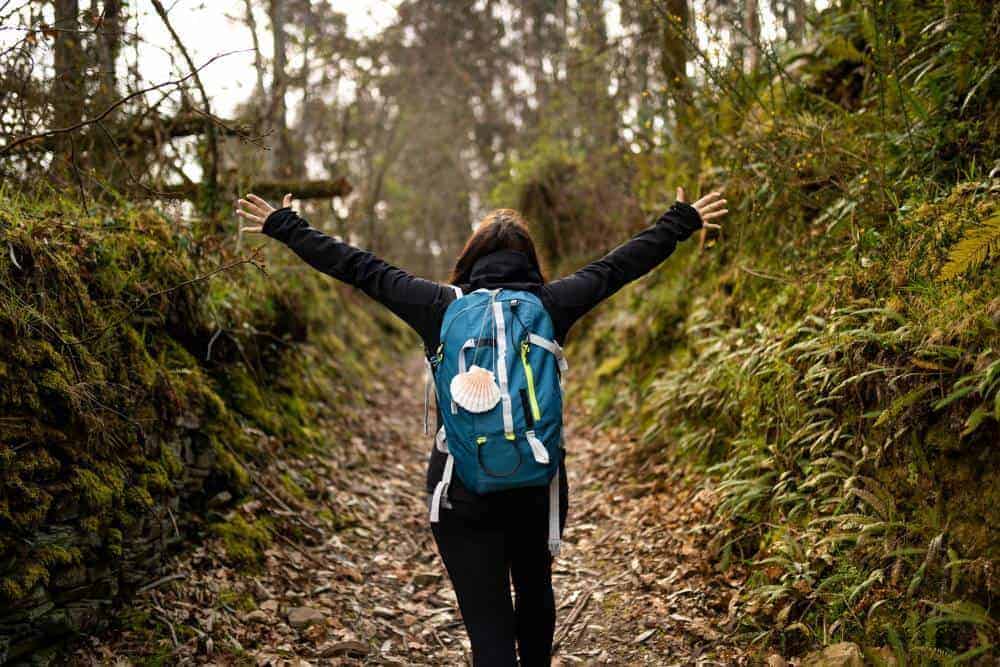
<point>256,210</point>
<point>709,207</point>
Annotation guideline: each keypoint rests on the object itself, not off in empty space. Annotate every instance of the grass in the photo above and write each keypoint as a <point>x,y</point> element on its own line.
<point>832,363</point>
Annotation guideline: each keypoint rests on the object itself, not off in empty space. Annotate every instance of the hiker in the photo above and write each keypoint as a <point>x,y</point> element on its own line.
<point>496,482</point>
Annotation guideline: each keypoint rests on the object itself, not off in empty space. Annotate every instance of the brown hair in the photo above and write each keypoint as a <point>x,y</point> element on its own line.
<point>502,229</point>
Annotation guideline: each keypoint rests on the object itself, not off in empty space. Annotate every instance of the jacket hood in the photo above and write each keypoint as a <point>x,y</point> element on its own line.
<point>510,269</point>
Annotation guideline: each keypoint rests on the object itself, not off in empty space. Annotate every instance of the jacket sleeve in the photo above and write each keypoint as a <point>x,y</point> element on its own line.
<point>573,296</point>
<point>416,301</point>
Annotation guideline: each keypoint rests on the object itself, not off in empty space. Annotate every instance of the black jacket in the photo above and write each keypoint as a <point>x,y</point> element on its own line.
<point>421,303</point>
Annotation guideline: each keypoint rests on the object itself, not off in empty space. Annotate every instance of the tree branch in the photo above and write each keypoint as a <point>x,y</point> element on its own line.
<point>213,142</point>
<point>104,114</point>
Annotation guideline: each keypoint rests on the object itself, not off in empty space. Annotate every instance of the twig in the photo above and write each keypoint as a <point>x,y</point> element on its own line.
<point>241,134</point>
<point>253,258</point>
<point>571,619</point>
<point>313,559</point>
<point>114,105</point>
<point>128,170</point>
<point>173,633</point>
<point>764,275</point>
<point>160,582</point>
<point>213,142</point>
<point>173,521</point>
<point>211,342</point>
<point>294,514</point>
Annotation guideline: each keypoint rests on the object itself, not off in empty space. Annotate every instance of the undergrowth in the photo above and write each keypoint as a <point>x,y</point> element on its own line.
<point>832,363</point>
<point>137,379</point>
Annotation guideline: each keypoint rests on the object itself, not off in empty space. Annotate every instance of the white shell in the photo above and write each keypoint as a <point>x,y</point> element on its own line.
<point>475,390</point>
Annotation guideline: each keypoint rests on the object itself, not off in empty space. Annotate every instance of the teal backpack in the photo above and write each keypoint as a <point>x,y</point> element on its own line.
<point>497,377</point>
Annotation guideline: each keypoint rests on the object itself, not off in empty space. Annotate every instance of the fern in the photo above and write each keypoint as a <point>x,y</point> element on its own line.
<point>973,249</point>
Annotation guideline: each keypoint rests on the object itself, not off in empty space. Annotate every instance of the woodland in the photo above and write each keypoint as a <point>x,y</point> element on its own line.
<point>784,442</point>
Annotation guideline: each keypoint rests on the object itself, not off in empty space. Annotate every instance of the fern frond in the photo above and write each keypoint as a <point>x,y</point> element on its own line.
<point>973,250</point>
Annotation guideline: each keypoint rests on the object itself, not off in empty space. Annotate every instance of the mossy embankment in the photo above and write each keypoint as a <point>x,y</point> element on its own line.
<point>832,364</point>
<point>140,389</point>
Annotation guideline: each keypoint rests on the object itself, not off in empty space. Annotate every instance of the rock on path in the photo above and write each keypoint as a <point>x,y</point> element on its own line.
<point>352,576</point>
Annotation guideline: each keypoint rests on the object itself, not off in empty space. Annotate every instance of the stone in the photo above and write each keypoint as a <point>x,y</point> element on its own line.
<point>348,647</point>
<point>422,579</point>
<point>219,500</point>
<point>257,616</point>
<point>385,612</point>
<point>775,660</point>
<point>844,654</point>
<point>303,617</point>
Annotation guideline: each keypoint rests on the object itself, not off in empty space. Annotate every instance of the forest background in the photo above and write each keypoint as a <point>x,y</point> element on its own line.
<point>830,365</point>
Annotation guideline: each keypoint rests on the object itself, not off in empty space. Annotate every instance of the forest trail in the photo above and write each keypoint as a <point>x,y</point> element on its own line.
<point>633,586</point>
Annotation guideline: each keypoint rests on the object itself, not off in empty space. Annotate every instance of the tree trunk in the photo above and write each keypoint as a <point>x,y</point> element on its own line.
<point>258,58</point>
<point>751,28</point>
<point>797,29</point>
<point>310,29</point>
<point>67,87</point>
<point>269,189</point>
<point>109,45</point>
<point>674,56</point>
<point>281,155</point>
<point>67,91</point>
<point>593,71</point>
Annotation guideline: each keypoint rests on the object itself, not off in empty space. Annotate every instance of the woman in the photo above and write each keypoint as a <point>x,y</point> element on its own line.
<point>490,540</point>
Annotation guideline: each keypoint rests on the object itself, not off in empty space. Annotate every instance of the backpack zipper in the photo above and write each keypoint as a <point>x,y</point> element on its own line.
<point>529,375</point>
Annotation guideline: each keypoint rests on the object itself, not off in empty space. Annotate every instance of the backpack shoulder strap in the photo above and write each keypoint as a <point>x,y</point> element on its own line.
<point>458,291</point>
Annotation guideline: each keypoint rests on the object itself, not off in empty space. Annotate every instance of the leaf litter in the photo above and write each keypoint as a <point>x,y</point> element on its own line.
<point>352,576</point>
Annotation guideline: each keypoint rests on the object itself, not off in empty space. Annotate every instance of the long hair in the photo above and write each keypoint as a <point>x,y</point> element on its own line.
<point>502,229</point>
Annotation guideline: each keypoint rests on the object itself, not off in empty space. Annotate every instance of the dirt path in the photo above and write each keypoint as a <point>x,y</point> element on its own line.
<point>353,576</point>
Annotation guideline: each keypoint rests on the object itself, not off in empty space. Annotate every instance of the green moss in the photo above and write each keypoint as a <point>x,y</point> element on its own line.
<point>289,485</point>
<point>105,390</point>
<point>244,541</point>
<point>97,492</point>
<point>243,602</point>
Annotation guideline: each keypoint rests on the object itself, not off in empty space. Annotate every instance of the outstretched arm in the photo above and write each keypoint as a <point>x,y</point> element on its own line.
<point>416,301</point>
<point>578,293</point>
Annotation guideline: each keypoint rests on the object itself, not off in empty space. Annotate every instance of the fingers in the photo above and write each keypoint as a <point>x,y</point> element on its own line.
<point>256,229</point>
<point>711,208</point>
<point>680,195</point>
<point>254,208</point>
<point>247,215</point>
<point>712,225</point>
<point>708,199</point>
<point>287,201</point>
<point>714,214</point>
<point>260,202</point>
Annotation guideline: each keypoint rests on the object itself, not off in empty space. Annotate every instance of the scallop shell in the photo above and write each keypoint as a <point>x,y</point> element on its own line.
<point>475,390</point>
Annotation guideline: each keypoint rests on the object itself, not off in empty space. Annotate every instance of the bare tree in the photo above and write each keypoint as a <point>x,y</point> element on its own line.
<point>282,161</point>
<point>67,88</point>
<point>109,44</point>
<point>751,30</point>
<point>674,56</point>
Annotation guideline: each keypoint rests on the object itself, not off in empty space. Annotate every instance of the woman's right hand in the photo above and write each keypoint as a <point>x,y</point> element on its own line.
<point>709,207</point>
<point>256,210</point>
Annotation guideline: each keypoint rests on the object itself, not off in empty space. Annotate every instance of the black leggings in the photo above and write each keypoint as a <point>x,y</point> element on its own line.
<point>486,543</point>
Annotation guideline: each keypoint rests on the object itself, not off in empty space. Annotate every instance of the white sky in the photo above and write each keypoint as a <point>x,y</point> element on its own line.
<point>211,27</point>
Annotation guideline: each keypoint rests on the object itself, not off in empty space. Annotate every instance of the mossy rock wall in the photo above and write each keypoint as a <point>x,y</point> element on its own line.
<point>133,393</point>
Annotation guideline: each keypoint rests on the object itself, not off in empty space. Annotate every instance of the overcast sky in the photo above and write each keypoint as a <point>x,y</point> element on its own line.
<point>209,28</point>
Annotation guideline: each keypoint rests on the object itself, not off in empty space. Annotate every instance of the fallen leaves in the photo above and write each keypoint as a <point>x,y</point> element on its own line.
<point>353,576</point>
